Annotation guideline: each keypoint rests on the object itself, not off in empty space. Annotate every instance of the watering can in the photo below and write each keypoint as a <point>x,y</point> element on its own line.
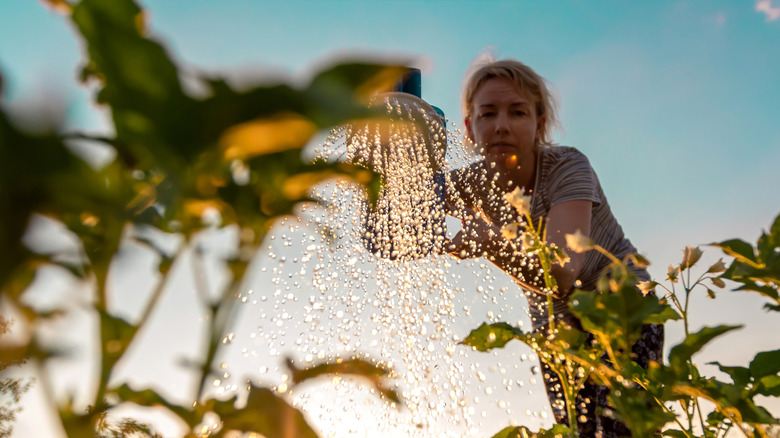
<point>407,149</point>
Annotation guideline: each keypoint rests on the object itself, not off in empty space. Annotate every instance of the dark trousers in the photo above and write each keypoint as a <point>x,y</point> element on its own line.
<point>592,400</point>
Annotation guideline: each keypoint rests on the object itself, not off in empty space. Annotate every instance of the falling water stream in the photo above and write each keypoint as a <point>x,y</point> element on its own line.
<point>343,280</point>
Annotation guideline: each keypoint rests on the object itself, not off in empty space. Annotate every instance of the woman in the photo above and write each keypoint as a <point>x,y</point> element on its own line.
<point>509,116</point>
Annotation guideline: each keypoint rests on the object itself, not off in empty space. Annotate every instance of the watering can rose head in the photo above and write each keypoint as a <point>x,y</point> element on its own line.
<point>403,121</point>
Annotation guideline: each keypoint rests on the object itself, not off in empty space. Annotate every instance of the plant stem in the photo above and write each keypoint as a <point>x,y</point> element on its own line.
<point>666,408</point>
<point>701,417</point>
<point>201,282</point>
<point>220,317</point>
<point>606,253</point>
<point>685,409</point>
<point>157,293</point>
<point>571,397</point>
<point>105,368</point>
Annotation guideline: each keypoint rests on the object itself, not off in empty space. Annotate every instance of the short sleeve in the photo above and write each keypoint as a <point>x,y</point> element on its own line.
<point>572,179</point>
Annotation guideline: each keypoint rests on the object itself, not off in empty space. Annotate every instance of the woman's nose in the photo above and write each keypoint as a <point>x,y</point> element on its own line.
<point>501,123</point>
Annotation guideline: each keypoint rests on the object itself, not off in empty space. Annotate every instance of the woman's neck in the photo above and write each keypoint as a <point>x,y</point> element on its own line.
<point>508,178</point>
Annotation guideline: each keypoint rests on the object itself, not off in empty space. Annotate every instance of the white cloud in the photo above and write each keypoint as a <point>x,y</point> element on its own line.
<point>765,6</point>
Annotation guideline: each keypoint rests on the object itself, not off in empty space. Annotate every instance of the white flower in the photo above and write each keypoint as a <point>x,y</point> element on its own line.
<point>719,266</point>
<point>579,242</point>
<point>519,201</point>
<point>529,242</point>
<point>509,231</point>
<point>646,286</point>
<point>560,255</point>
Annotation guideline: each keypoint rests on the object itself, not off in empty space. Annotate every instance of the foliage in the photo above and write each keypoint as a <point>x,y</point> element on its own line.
<point>180,160</point>
<point>644,398</point>
<point>235,155</point>
<point>756,268</point>
<point>11,389</point>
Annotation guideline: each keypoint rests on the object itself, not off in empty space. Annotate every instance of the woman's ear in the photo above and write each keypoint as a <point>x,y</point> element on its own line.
<point>541,123</point>
<point>469,132</point>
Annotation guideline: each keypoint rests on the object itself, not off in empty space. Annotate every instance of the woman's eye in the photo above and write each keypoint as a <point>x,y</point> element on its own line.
<point>519,113</point>
<point>487,114</point>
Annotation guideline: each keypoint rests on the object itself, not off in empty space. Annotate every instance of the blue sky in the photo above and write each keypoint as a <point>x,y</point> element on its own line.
<point>669,100</point>
<point>676,103</point>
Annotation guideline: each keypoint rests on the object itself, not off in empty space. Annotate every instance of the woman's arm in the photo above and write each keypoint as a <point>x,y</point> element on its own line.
<point>566,218</point>
<point>479,237</point>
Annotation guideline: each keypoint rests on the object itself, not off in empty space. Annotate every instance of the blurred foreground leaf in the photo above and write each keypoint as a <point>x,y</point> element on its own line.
<point>556,431</point>
<point>265,413</point>
<point>489,336</point>
<point>350,367</point>
<point>150,398</point>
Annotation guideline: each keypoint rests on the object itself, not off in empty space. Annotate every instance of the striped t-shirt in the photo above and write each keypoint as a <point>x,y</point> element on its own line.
<point>564,174</point>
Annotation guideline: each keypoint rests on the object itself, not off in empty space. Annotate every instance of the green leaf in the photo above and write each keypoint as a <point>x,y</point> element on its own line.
<point>353,367</point>
<point>739,375</point>
<point>739,249</point>
<point>774,230</point>
<point>514,432</point>
<point>768,386</point>
<point>694,342</point>
<point>766,291</point>
<point>637,408</point>
<point>153,117</point>
<point>356,80</point>
<point>489,336</point>
<point>151,398</point>
<point>165,265</point>
<point>265,413</point>
<point>78,425</point>
<point>772,307</point>
<point>556,431</point>
<point>765,363</point>
<point>715,418</point>
<point>38,174</point>
<point>618,317</point>
<point>765,249</point>
<point>116,334</point>
<point>667,313</point>
<point>356,367</point>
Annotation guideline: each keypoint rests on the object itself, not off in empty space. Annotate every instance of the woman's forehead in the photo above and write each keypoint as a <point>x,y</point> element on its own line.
<point>504,88</point>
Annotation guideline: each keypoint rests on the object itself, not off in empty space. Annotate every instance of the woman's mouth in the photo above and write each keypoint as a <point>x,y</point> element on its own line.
<point>501,147</point>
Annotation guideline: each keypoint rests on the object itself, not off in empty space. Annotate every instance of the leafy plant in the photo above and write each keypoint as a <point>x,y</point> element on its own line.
<point>185,164</point>
<point>615,313</point>
<point>233,156</point>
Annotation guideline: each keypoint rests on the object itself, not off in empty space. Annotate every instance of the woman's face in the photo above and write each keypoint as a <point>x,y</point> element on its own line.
<point>503,122</point>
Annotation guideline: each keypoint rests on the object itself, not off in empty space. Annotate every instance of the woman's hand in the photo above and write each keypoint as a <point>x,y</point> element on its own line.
<point>477,237</point>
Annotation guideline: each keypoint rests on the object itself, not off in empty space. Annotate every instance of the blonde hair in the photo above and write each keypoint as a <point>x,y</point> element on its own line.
<point>526,80</point>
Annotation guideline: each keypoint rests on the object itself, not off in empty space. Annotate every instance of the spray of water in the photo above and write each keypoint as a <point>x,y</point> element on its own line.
<point>349,279</point>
